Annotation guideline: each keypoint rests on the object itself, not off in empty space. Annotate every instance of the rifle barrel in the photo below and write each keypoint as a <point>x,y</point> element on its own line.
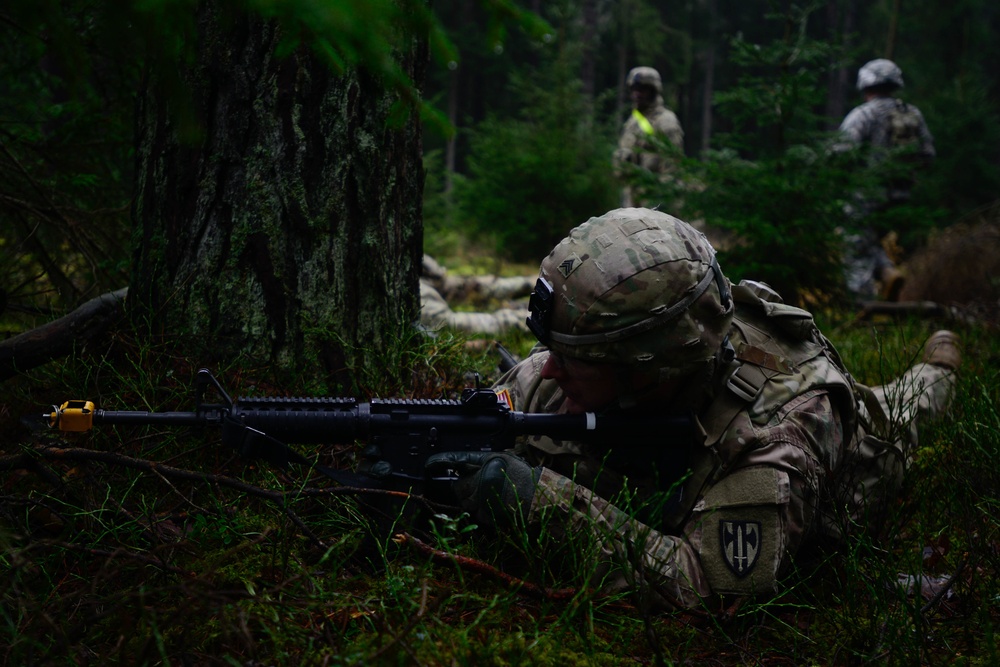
<point>137,417</point>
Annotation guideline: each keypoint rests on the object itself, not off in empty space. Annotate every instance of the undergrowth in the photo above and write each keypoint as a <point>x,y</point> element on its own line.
<point>152,545</point>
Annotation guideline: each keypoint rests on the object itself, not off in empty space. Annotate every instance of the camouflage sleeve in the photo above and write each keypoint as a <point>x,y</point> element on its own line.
<point>627,554</point>
<point>744,530</point>
<point>434,310</point>
<point>627,141</point>
<point>926,138</point>
<point>435,313</point>
<point>749,525</point>
<point>669,126</point>
<point>854,130</point>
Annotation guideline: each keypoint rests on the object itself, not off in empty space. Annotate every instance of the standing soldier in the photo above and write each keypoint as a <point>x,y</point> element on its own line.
<point>898,143</point>
<point>649,119</point>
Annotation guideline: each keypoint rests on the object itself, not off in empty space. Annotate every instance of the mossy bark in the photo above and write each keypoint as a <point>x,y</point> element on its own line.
<point>287,224</point>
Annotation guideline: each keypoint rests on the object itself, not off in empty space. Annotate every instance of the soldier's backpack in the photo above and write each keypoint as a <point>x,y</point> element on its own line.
<point>904,140</point>
<point>904,126</point>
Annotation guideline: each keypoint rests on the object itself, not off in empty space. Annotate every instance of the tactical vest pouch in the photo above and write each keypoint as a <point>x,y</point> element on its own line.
<point>798,324</point>
<point>904,125</point>
<point>742,530</point>
<point>759,355</point>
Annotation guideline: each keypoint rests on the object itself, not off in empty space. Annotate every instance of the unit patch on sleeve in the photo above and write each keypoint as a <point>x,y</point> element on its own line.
<point>740,542</point>
<point>741,529</point>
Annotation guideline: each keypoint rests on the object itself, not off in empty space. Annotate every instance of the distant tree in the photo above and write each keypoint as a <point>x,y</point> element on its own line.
<point>65,177</point>
<point>535,176</point>
<point>770,189</point>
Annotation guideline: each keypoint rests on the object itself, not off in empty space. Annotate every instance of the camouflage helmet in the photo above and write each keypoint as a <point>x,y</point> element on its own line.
<point>879,73</point>
<point>644,76</point>
<point>635,287</point>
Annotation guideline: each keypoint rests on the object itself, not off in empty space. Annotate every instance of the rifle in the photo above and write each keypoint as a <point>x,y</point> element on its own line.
<point>401,432</point>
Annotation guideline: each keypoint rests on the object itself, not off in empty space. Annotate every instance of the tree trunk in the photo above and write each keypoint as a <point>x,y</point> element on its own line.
<point>290,228</point>
<point>890,38</point>
<point>708,91</point>
<point>588,41</point>
<point>839,87</point>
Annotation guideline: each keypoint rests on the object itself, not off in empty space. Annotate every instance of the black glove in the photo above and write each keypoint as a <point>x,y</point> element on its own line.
<point>495,489</point>
<point>373,465</point>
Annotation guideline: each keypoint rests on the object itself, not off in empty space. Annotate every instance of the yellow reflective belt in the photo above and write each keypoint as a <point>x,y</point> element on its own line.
<point>644,123</point>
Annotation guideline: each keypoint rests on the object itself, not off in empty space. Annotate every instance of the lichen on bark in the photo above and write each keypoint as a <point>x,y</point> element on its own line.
<point>291,230</point>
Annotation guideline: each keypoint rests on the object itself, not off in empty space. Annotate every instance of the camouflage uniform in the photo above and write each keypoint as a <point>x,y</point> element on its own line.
<point>475,288</point>
<point>634,144</point>
<point>789,449</point>
<point>435,314</point>
<point>871,126</point>
<point>437,287</point>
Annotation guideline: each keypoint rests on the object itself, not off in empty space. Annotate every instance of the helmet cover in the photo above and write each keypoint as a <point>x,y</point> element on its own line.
<point>878,73</point>
<point>634,287</point>
<point>644,76</point>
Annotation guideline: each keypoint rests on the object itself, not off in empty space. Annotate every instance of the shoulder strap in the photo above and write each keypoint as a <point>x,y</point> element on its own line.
<point>644,123</point>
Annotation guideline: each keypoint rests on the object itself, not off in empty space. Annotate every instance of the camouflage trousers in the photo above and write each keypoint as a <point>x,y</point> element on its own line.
<point>878,458</point>
<point>864,261</point>
<point>923,392</point>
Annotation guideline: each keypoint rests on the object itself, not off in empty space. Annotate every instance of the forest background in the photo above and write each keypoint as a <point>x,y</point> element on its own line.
<point>523,120</point>
<point>519,119</point>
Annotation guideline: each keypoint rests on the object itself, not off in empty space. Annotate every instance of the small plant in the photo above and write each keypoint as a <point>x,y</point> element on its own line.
<point>172,563</point>
<point>534,178</point>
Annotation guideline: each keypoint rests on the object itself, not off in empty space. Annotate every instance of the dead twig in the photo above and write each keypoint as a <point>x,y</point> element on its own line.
<point>167,472</point>
<point>154,467</point>
<point>479,567</point>
<point>943,590</point>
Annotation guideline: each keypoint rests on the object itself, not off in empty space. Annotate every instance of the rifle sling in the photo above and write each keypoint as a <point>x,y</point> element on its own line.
<point>253,444</point>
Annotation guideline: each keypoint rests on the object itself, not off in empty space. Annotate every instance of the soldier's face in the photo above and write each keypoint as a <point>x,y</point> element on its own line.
<point>591,387</point>
<point>643,96</point>
<point>587,386</point>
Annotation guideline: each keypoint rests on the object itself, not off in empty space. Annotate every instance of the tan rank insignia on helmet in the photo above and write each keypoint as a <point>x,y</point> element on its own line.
<point>569,265</point>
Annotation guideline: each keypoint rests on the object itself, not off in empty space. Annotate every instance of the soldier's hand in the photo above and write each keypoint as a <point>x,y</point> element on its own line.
<point>496,489</point>
<point>373,465</point>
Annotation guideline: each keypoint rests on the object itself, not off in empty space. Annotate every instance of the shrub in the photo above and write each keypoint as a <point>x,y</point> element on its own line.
<point>534,177</point>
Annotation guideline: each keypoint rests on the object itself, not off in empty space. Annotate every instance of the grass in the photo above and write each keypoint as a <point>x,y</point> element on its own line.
<point>208,559</point>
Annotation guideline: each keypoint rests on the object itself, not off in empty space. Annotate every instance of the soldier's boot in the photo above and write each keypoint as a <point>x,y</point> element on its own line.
<point>892,281</point>
<point>942,349</point>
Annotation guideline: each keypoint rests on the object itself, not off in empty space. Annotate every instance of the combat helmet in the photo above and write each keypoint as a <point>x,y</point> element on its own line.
<point>634,287</point>
<point>644,76</point>
<point>880,72</point>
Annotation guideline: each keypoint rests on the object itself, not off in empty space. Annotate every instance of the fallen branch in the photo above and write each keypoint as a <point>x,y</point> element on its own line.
<point>479,567</point>
<point>26,461</point>
<point>121,552</point>
<point>902,309</point>
<point>59,337</point>
<point>968,314</point>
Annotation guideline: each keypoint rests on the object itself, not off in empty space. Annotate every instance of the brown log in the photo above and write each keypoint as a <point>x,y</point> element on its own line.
<point>903,309</point>
<point>60,337</point>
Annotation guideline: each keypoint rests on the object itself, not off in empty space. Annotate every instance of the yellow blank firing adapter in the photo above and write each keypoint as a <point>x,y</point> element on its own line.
<point>73,416</point>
